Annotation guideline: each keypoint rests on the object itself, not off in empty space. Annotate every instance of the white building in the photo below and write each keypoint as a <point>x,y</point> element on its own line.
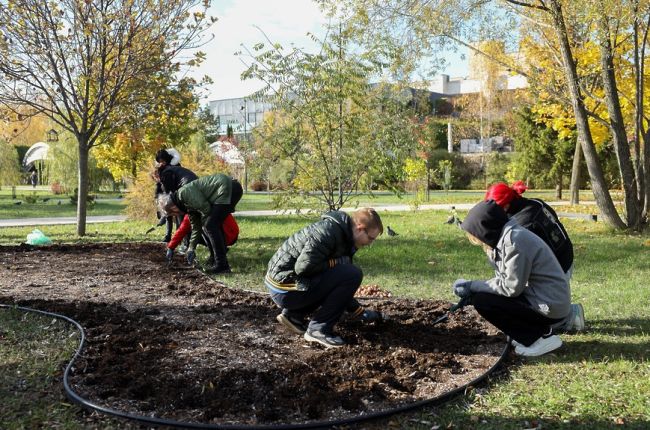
<point>456,86</point>
<point>242,114</point>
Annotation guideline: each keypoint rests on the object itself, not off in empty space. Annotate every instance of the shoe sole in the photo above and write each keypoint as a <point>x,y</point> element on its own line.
<point>288,324</point>
<point>310,338</point>
<point>547,348</point>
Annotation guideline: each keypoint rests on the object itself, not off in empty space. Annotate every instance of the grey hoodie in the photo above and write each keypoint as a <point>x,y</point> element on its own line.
<point>525,265</point>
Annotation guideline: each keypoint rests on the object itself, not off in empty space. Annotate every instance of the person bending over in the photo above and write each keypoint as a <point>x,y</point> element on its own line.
<point>529,292</point>
<point>537,216</point>
<point>207,201</point>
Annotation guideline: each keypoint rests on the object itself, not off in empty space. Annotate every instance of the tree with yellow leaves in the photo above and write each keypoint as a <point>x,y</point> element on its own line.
<point>403,32</point>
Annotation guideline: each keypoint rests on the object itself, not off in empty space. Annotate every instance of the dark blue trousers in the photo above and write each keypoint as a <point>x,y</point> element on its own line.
<point>330,294</point>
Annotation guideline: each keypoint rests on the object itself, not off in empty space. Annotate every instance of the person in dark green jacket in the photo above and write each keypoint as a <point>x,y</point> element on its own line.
<point>207,201</point>
<point>312,273</point>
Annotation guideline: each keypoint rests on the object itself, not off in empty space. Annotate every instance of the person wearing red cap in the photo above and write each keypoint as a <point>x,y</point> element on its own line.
<point>528,294</point>
<point>538,217</point>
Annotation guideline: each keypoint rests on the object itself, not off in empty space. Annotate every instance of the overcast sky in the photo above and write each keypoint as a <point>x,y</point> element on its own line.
<point>283,21</point>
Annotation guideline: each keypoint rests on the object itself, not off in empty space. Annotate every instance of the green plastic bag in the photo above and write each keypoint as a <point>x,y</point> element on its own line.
<point>36,237</point>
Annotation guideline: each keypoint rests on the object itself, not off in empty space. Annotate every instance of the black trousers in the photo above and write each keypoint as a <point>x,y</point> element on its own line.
<point>330,294</point>
<point>212,227</point>
<point>514,316</point>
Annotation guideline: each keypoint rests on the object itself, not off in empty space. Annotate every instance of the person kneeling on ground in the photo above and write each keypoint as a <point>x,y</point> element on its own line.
<point>529,293</point>
<point>312,273</point>
<point>207,201</point>
<point>537,216</point>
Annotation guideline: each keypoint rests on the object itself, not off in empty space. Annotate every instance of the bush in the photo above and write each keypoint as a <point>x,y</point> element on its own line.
<point>75,197</point>
<point>258,186</point>
<point>140,201</point>
<point>57,188</point>
<point>30,198</point>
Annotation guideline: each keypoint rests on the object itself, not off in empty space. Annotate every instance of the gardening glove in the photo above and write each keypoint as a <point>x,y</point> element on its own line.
<point>190,256</point>
<point>371,316</point>
<point>461,288</point>
<point>169,256</point>
<point>344,259</point>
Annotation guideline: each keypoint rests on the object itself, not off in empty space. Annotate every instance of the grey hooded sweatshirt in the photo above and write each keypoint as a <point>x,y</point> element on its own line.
<point>524,266</point>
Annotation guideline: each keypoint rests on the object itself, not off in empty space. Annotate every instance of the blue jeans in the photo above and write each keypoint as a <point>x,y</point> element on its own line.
<point>330,293</point>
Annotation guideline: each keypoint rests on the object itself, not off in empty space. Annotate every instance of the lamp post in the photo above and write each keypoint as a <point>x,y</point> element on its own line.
<point>52,136</point>
<point>245,152</point>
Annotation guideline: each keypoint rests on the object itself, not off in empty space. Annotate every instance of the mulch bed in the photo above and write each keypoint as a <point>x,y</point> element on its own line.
<point>175,344</point>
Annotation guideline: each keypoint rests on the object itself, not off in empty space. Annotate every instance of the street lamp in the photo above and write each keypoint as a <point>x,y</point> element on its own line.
<point>243,108</point>
<point>52,135</point>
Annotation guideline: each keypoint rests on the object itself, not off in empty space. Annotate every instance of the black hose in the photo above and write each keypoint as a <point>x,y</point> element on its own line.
<point>438,400</point>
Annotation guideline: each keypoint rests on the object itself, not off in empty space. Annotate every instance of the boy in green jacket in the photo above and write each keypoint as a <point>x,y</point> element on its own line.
<point>312,274</point>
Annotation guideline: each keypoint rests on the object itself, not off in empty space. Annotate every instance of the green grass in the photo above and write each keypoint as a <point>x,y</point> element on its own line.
<point>31,351</point>
<point>109,204</point>
<point>30,204</point>
<point>598,380</point>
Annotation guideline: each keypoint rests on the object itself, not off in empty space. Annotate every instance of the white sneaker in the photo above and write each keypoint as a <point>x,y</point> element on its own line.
<point>540,347</point>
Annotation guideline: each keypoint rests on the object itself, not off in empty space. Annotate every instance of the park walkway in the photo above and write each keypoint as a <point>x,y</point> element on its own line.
<point>23,222</point>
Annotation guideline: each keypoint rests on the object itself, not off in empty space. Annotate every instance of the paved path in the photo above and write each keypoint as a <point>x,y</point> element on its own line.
<point>23,222</point>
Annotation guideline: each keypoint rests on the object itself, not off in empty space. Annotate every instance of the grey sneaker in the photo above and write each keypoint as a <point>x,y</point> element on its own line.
<point>328,340</point>
<point>292,323</point>
<point>578,321</point>
<point>541,346</point>
<point>574,322</point>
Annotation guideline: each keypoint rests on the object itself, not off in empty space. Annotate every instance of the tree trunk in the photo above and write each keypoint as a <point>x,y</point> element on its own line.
<point>82,192</point>
<point>558,187</point>
<point>646,173</point>
<point>598,184</point>
<point>574,190</point>
<point>617,127</point>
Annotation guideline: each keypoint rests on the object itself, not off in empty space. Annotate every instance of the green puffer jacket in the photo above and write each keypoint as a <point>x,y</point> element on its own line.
<point>198,196</point>
<point>309,251</point>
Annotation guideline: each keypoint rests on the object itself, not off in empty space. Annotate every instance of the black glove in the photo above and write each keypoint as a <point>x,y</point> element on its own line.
<point>461,288</point>
<point>169,256</point>
<point>371,316</point>
<point>190,256</point>
<point>344,259</point>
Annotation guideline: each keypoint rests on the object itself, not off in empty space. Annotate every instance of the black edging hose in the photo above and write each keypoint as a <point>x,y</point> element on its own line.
<point>438,400</point>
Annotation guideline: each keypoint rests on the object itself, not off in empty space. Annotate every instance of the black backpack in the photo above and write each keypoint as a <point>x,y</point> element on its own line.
<point>542,220</point>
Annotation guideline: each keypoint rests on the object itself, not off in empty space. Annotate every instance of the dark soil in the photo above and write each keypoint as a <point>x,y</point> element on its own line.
<point>175,344</point>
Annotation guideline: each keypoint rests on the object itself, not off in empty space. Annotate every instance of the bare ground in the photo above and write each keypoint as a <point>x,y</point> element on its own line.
<point>175,344</point>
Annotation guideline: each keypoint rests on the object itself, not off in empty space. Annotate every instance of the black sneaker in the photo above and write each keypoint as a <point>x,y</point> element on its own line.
<point>215,270</point>
<point>328,340</point>
<point>294,324</point>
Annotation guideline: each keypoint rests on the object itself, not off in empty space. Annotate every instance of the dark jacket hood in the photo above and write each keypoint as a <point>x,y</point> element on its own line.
<point>485,221</point>
<point>343,220</point>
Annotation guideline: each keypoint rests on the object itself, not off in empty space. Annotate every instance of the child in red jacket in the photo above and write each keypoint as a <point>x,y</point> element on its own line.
<point>230,233</point>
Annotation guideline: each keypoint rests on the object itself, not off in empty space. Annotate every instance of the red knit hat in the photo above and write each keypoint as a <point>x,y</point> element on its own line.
<point>501,193</point>
<point>519,187</point>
